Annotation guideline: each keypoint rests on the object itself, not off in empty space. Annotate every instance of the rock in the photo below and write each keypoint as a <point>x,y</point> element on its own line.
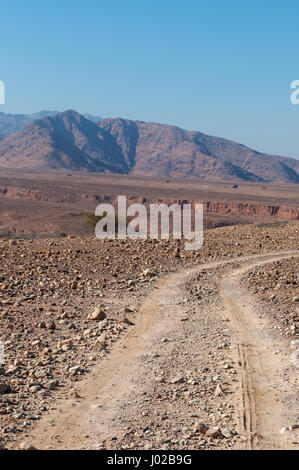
<point>4,388</point>
<point>295,299</point>
<point>227,433</point>
<point>148,273</point>
<point>50,325</point>
<point>295,344</point>
<point>102,324</point>
<point>97,315</point>
<point>128,322</point>
<point>73,394</point>
<point>283,430</point>
<point>27,446</point>
<point>128,310</point>
<point>100,345</point>
<point>178,379</point>
<point>74,370</point>
<point>213,432</point>
<point>160,380</point>
<point>200,427</point>
<point>18,362</point>
<point>293,427</point>
<point>35,388</point>
<point>52,385</point>
<point>218,391</point>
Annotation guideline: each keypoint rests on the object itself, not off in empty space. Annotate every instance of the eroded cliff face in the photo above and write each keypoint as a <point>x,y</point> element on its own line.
<point>256,211</point>
<point>251,210</point>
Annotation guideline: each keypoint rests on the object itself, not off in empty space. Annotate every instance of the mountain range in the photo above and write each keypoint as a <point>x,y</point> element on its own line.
<point>71,141</point>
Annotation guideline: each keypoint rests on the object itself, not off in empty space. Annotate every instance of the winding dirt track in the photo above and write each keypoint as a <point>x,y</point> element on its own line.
<point>261,361</point>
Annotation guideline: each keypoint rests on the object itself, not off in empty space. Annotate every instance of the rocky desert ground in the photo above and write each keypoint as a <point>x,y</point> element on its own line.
<point>143,345</point>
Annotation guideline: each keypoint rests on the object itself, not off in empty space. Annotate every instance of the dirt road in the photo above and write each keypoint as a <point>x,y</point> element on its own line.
<point>217,361</point>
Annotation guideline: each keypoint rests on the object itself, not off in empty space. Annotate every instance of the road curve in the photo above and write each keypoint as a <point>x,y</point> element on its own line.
<point>260,361</point>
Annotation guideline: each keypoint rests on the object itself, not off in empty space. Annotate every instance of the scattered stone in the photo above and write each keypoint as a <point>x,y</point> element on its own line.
<point>4,388</point>
<point>293,427</point>
<point>177,379</point>
<point>128,309</point>
<point>53,384</point>
<point>214,432</point>
<point>128,322</point>
<point>100,345</point>
<point>227,433</point>
<point>98,314</point>
<point>218,391</point>
<point>74,370</point>
<point>27,446</point>
<point>148,273</point>
<point>50,325</point>
<point>201,428</point>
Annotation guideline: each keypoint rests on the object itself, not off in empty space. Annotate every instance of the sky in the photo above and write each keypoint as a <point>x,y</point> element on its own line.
<point>220,67</point>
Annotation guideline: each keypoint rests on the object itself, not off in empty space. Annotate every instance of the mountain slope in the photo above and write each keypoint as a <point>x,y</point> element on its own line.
<point>69,141</point>
<point>170,151</point>
<point>269,167</point>
<point>65,141</point>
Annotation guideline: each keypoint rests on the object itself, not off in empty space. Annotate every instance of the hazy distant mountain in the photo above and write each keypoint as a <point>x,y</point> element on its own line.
<point>70,141</point>
<point>93,118</point>
<point>11,123</point>
<point>66,140</point>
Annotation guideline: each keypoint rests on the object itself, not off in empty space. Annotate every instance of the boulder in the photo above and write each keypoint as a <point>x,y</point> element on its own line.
<point>97,315</point>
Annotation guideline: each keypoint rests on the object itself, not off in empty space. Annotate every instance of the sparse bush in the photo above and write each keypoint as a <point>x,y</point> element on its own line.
<point>92,220</point>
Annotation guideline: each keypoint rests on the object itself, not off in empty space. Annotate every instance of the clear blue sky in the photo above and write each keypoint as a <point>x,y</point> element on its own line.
<point>222,67</point>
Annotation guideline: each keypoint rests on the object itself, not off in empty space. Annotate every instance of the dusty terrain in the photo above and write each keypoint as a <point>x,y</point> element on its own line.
<point>185,353</point>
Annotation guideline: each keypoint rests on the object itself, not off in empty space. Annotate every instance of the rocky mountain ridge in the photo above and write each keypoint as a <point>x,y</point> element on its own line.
<point>69,141</point>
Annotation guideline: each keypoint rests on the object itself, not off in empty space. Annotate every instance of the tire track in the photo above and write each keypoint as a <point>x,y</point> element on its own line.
<point>261,410</point>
